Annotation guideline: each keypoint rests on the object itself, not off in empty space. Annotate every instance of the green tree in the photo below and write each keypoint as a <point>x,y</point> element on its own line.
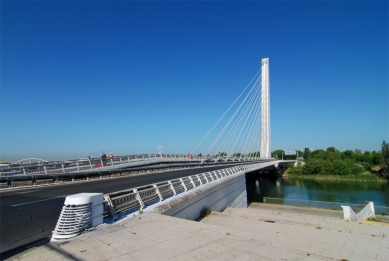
<point>253,154</point>
<point>348,154</point>
<point>221,154</point>
<point>315,166</point>
<point>306,153</point>
<point>278,154</point>
<point>385,159</point>
<point>331,149</point>
<point>376,158</point>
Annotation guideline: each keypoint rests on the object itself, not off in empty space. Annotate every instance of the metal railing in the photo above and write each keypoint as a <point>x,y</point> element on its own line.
<point>39,179</point>
<point>57,167</point>
<point>134,199</point>
<point>80,165</point>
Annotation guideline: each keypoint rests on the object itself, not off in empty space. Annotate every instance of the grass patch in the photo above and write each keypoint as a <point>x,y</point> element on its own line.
<point>351,177</point>
<point>206,211</point>
<point>375,220</point>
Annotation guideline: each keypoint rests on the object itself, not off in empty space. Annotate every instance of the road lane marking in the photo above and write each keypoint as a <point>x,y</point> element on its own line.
<point>25,192</point>
<point>63,196</point>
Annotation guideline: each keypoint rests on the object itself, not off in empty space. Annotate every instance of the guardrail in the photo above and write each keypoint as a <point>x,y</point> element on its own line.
<point>79,165</point>
<point>97,163</point>
<point>38,179</point>
<point>134,199</point>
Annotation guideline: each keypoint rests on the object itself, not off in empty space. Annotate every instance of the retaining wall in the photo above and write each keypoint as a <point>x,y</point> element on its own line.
<point>218,195</point>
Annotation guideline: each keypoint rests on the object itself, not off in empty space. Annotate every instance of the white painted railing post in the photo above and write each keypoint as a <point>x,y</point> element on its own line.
<point>139,198</point>
<point>205,176</point>
<point>183,184</point>
<point>158,192</point>
<point>191,180</point>
<point>172,187</point>
<point>201,183</point>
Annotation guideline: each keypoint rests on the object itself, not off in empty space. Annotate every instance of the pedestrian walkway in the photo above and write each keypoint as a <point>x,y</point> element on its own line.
<point>261,232</point>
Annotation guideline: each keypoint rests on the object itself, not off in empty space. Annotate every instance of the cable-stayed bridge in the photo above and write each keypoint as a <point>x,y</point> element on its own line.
<point>239,145</point>
<point>241,134</point>
<point>246,133</point>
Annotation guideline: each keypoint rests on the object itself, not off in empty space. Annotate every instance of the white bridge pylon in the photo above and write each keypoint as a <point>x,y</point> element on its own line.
<point>246,133</point>
<point>265,111</point>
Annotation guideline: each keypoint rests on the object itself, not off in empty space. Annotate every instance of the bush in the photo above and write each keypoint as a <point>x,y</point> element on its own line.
<point>365,165</point>
<point>314,167</point>
<point>206,211</point>
<point>335,167</point>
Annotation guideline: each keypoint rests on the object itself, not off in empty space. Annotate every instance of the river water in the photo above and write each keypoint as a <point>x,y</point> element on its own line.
<point>350,192</point>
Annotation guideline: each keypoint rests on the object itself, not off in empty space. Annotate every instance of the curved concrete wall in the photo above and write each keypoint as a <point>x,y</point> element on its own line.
<point>218,195</point>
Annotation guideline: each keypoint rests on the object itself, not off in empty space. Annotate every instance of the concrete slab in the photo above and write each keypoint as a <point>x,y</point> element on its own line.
<point>242,235</point>
<point>48,252</point>
<point>126,241</point>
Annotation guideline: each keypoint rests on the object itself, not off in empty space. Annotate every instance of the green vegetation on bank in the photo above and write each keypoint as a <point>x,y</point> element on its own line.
<point>349,165</point>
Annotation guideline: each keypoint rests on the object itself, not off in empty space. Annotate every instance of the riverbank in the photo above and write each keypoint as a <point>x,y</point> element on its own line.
<point>296,189</point>
<point>314,211</point>
<point>351,177</point>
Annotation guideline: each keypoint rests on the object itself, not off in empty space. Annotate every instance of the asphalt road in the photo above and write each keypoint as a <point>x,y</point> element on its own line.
<point>30,214</point>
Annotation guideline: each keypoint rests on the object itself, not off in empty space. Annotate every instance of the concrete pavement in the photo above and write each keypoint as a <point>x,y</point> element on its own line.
<point>262,232</point>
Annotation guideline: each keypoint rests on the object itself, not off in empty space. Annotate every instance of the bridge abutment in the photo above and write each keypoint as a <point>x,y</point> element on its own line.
<point>218,195</point>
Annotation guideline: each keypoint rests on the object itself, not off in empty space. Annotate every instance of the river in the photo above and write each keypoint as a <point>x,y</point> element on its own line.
<point>293,191</point>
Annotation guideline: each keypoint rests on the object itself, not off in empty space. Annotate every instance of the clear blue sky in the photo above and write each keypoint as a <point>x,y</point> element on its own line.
<point>127,77</point>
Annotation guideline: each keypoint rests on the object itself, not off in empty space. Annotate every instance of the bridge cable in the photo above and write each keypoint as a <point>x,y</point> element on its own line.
<point>225,113</point>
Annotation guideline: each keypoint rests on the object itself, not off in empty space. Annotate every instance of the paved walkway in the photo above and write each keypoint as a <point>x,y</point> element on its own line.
<point>262,232</point>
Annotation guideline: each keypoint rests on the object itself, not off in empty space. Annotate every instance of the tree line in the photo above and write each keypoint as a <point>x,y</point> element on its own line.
<point>334,162</point>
